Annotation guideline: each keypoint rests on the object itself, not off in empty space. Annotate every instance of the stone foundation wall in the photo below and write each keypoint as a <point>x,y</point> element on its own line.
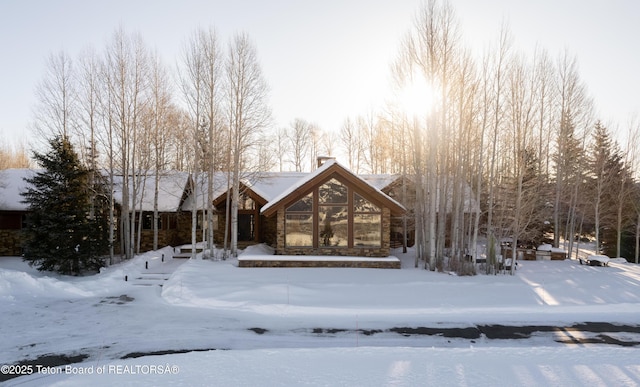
<point>10,243</point>
<point>269,229</point>
<point>165,238</point>
<point>373,264</point>
<point>183,232</point>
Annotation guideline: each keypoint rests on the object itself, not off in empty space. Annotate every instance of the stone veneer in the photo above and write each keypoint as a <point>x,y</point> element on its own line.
<point>382,251</point>
<point>11,243</point>
<point>368,264</point>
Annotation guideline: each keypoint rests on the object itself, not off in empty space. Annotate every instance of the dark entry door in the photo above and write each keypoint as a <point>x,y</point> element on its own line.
<point>245,227</point>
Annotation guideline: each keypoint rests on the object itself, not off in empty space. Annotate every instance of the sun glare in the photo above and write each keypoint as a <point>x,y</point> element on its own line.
<point>417,97</point>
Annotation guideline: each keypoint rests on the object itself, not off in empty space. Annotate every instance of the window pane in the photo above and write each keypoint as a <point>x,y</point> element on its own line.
<point>303,205</point>
<point>332,192</point>
<point>366,230</point>
<point>361,204</point>
<point>299,230</point>
<point>147,221</point>
<point>246,203</point>
<point>333,226</point>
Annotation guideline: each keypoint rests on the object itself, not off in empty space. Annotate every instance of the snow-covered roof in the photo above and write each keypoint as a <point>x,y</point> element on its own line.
<point>171,186</point>
<point>310,176</point>
<point>269,185</point>
<point>380,181</point>
<point>12,184</point>
<point>201,182</point>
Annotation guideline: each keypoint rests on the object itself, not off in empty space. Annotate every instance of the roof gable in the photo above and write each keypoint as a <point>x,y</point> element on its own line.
<point>328,170</point>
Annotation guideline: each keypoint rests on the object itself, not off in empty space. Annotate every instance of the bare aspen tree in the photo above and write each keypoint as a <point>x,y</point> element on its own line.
<point>521,118</point>
<point>56,105</point>
<point>545,97</point>
<point>632,162</point>
<point>482,126</point>
<point>280,147</point>
<point>448,54</point>
<point>158,130</point>
<point>92,99</point>
<point>200,81</point>
<point>299,143</point>
<point>315,135</point>
<point>351,144</point>
<point>248,113</point>
<point>89,92</point>
<point>192,84</point>
<point>431,50</point>
<point>213,89</point>
<point>573,120</point>
<point>464,148</point>
<point>500,62</point>
<point>369,131</point>
<point>125,67</point>
<point>328,141</point>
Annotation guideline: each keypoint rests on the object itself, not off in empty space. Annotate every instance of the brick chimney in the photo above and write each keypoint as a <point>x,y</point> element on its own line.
<point>323,159</point>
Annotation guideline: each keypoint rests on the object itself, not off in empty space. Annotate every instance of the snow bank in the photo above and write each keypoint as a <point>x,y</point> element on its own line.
<point>548,247</point>
<point>15,285</point>
<point>603,259</point>
<point>19,281</point>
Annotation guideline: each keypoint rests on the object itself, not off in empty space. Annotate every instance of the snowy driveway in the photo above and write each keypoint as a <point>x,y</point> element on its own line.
<point>216,305</point>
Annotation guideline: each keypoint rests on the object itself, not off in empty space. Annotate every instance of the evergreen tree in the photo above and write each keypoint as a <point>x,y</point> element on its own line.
<point>607,171</point>
<point>67,225</point>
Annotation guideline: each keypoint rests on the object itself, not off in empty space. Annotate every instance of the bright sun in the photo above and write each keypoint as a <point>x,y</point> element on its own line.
<point>417,97</point>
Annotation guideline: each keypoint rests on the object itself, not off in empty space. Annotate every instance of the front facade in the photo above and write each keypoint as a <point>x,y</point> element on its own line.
<point>330,211</point>
<point>333,212</point>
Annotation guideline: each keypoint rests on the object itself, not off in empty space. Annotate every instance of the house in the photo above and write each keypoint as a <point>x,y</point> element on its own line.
<point>332,211</point>
<point>12,211</point>
<point>174,224</point>
<point>328,225</point>
<point>327,212</point>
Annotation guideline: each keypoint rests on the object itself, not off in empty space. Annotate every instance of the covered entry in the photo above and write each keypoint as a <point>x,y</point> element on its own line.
<point>249,207</point>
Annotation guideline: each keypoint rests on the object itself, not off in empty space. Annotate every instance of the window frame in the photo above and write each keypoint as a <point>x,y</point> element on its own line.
<point>316,209</point>
<point>310,213</point>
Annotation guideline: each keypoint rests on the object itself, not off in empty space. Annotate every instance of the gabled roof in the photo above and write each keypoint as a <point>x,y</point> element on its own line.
<point>324,173</point>
<point>201,181</point>
<point>380,181</point>
<point>269,185</point>
<point>12,184</point>
<point>264,186</point>
<point>171,185</point>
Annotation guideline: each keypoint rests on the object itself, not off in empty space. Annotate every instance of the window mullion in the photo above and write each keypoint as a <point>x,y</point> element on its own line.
<point>350,209</point>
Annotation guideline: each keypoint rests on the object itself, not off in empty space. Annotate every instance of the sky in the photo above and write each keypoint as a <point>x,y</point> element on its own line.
<point>323,61</point>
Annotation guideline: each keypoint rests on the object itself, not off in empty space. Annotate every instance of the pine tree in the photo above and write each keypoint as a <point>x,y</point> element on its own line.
<point>67,225</point>
<point>607,171</point>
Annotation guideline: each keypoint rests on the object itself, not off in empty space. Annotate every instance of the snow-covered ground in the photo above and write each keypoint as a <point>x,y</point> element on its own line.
<point>318,326</point>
